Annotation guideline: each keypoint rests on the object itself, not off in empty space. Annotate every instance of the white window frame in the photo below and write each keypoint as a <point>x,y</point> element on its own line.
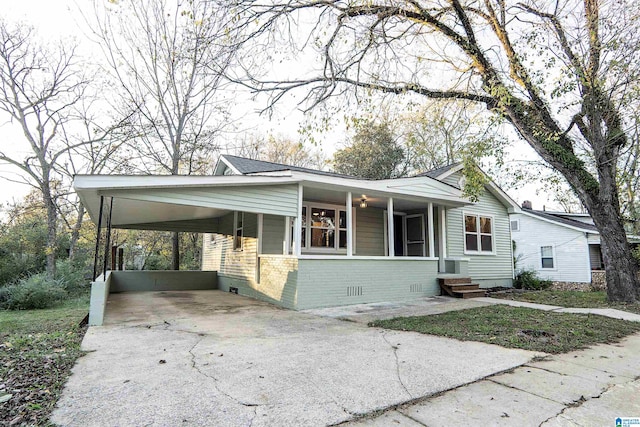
<point>306,245</point>
<point>236,229</point>
<point>479,234</point>
<point>553,258</point>
<point>517,221</point>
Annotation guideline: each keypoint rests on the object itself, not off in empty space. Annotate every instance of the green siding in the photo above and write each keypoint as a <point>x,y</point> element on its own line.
<point>488,269</point>
<point>272,234</point>
<point>272,199</point>
<point>333,282</point>
<point>369,232</point>
<point>250,226</point>
<point>453,179</point>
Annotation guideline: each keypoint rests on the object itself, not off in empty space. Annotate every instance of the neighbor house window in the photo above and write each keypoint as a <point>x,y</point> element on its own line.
<point>478,234</point>
<point>515,225</point>
<point>546,253</point>
<point>238,232</point>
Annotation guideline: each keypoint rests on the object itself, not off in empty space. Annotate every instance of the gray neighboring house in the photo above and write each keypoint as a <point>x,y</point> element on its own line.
<point>302,238</point>
<point>559,246</point>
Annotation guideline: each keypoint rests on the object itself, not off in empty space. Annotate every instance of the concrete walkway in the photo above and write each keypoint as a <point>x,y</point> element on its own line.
<point>584,388</point>
<point>607,312</point>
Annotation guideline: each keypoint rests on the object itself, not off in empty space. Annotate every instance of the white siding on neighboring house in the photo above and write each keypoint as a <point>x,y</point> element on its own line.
<point>488,270</point>
<point>453,179</point>
<point>570,250</point>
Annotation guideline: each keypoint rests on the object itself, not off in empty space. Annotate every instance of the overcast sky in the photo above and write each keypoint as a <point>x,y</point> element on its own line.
<point>60,19</point>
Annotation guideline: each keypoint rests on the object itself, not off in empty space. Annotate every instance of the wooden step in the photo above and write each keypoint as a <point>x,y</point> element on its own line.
<point>454,280</point>
<point>462,286</point>
<point>472,293</point>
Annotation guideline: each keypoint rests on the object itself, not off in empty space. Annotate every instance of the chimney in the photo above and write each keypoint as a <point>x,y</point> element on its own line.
<point>526,205</point>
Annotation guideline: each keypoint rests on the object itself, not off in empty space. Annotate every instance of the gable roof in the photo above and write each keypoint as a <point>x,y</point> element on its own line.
<point>556,218</point>
<point>246,166</point>
<point>438,173</point>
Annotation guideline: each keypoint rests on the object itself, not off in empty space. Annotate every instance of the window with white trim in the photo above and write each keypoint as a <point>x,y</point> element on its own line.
<point>238,221</point>
<point>515,225</point>
<point>324,228</point>
<point>478,233</point>
<point>546,257</point>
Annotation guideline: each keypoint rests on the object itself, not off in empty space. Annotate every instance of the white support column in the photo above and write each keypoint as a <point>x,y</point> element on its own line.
<point>431,233</point>
<point>349,210</point>
<point>442,238</point>
<point>287,235</point>
<point>390,236</point>
<point>260,227</point>
<point>297,231</point>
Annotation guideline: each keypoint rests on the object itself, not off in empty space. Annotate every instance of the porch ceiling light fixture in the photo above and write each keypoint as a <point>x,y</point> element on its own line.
<point>363,202</point>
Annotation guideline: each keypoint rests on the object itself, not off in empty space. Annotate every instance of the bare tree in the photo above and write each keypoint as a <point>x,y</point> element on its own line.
<point>167,60</point>
<point>279,149</point>
<point>39,89</point>
<point>559,72</point>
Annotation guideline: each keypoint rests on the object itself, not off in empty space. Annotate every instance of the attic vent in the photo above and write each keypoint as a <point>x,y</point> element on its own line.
<point>354,291</point>
<point>515,225</point>
<point>417,287</point>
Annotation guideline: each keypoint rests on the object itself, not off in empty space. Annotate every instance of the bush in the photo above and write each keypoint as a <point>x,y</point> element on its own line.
<point>75,276</point>
<point>34,292</point>
<point>528,279</point>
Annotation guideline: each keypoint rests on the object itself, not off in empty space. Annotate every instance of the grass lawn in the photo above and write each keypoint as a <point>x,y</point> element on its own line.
<point>517,327</point>
<point>576,299</point>
<point>37,351</point>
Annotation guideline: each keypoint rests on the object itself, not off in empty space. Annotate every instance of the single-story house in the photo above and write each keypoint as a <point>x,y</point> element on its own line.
<point>558,246</point>
<point>303,238</point>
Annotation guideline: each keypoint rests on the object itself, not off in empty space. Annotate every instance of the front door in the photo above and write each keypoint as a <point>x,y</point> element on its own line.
<point>414,235</point>
<point>398,235</point>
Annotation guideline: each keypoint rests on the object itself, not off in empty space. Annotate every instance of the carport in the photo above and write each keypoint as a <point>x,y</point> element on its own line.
<point>169,203</point>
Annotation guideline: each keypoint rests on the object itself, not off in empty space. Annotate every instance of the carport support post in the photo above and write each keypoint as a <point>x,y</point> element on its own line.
<point>108,240</point>
<point>390,237</point>
<point>349,225</point>
<point>95,259</point>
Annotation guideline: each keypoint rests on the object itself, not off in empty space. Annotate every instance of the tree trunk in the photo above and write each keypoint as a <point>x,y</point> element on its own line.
<point>623,283</point>
<point>75,233</point>
<point>175,258</point>
<point>52,235</point>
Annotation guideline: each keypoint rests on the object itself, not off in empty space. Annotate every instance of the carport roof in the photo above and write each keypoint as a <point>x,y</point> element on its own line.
<point>192,203</point>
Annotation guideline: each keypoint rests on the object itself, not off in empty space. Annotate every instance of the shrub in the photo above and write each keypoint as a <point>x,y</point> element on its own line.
<point>528,279</point>
<point>34,292</point>
<point>75,276</point>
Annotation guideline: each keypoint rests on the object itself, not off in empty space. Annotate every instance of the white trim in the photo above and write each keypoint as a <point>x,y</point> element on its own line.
<point>349,213</point>
<point>386,233</point>
<point>451,171</point>
<point>390,228</point>
<point>493,251</point>
<point>235,231</point>
<point>550,221</point>
<point>297,230</point>
<point>432,235</point>
<point>287,236</point>
<point>379,258</point>
<point>260,230</point>
<point>306,247</point>
<point>442,238</point>
<point>517,221</point>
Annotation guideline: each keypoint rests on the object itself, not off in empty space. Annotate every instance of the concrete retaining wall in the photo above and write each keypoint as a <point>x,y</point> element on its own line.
<point>162,280</point>
<point>99,294</point>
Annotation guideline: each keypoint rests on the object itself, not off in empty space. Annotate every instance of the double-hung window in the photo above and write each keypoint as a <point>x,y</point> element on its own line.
<point>478,234</point>
<point>546,257</point>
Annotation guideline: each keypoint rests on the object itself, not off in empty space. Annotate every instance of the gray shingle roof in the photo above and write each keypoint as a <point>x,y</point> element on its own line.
<point>246,166</point>
<point>561,220</point>
<point>435,173</point>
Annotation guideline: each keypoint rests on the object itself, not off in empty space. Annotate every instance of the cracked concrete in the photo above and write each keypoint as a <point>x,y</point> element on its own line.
<point>211,358</point>
<point>582,388</point>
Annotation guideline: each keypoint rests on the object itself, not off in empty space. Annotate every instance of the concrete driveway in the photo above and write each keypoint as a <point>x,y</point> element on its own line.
<point>218,359</point>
